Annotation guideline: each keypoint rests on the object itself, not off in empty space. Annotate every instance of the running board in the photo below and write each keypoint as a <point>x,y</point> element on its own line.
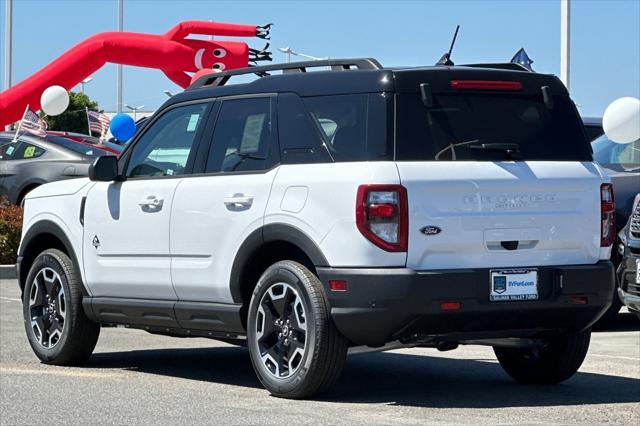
<point>174,317</point>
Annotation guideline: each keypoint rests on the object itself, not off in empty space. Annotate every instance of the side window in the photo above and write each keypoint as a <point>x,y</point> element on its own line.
<point>20,151</point>
<point>242,136</point>
<point>354,127</point>
<point>164,148</point>
<point>301,141</point>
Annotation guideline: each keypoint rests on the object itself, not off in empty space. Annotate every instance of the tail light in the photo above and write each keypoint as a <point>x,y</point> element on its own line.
<point>608,215</point>
<point>381,215</point>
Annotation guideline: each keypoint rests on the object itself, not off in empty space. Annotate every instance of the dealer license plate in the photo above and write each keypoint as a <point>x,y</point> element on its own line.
<point>513,285</point>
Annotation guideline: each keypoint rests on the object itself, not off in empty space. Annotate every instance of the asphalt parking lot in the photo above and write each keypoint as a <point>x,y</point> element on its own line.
<point>137,378</point>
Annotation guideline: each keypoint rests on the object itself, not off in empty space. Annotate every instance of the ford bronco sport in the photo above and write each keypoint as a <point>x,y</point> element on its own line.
<point>304,213</point>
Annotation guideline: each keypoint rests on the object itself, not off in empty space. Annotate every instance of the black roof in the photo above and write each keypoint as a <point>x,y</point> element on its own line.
<point>364,75</point>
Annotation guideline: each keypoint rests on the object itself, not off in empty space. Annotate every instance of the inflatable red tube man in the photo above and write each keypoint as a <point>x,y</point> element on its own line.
<point>172,53</point>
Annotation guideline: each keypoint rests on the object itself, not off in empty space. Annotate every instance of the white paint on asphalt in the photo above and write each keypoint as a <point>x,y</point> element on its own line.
<point>10,299</point>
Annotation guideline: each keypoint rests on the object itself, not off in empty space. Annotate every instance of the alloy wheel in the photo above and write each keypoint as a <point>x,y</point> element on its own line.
<point>281,330</point>
<point>47,307</point>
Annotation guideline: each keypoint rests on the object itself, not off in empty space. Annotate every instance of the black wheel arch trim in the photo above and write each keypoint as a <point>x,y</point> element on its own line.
<point>46,227</point>
<point>266,234</point>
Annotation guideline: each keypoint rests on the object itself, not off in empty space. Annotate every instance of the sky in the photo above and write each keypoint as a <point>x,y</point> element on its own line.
<point>605,37</point>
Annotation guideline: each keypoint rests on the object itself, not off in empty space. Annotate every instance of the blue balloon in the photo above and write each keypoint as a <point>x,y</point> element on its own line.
<point>122,127</point>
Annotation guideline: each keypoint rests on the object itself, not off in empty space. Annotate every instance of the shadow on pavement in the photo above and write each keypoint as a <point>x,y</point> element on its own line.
<point>625,321</point>
<point>400,379</point>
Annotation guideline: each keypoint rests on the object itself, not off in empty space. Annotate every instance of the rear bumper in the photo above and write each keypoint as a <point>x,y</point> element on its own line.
<point>382,305</point>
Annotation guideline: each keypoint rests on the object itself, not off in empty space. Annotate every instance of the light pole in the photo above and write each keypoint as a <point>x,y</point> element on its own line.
<point>83,82</point>
<point>565,20</point>
<point>135,110</point>
<point>168,93</point>
<point>119,78</point>
<point>288,51</point>
<point>8,23</point>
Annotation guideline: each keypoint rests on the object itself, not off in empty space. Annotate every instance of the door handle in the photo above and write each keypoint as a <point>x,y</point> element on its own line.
<point>238,200</point>
<point>151,202</point>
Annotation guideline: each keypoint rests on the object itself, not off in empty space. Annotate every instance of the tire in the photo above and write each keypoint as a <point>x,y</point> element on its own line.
<point>315,354</point>
<point>556,361</point>
<point>58,330</point>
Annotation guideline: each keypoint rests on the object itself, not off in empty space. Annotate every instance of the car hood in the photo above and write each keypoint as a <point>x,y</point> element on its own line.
<point>63,187</point>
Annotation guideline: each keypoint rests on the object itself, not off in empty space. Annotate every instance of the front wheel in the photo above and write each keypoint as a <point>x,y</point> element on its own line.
<point>295,348</point>
<point>554,361</point>
<point>57,328</point>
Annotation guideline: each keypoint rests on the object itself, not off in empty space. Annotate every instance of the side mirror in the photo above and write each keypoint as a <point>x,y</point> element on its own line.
<point>104,169</point>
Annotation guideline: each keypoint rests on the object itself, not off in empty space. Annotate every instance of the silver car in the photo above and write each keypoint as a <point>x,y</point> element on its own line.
<point>32,161</point>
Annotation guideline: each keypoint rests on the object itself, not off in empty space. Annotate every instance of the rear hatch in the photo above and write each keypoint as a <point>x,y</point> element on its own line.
<point>495,175</point>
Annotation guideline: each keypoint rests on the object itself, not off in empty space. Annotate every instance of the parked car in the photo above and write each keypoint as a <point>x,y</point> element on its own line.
<point>32,161</point>
<point>304,213</point>
<point>628,272</point>
<point>90,140</point>
<point>622,164</point>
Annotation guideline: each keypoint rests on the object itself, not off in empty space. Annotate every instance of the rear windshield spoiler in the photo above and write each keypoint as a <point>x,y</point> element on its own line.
<point>454,80</point>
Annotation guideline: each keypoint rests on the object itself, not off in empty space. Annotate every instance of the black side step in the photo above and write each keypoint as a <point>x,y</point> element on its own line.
<point>161,314</point>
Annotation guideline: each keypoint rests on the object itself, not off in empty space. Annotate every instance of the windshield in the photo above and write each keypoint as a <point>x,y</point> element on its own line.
<point>488,127</point>
<point>616,156</point>
<point>78,147</point>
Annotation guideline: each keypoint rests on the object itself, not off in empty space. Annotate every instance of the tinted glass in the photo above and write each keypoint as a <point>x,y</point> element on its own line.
<point>20,151</point>
<point>457,126</point>
<point>78,147</point>
<point>353,126</point>
<point>242,136</point>
<point>164,148</point>
<point>616,156</point>
<point>300,138</point>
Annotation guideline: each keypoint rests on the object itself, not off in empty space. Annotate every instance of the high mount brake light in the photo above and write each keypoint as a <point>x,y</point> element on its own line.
<point>381,215</point>
<point>607,215</point>
<point>485,85</point>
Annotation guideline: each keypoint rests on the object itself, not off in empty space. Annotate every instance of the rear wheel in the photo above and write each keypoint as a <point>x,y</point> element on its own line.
<point>57,328</point>
<point>295,348</point>
<point>554,361</point>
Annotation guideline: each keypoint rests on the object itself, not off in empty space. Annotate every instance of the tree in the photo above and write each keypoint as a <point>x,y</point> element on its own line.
<point>74,119</point>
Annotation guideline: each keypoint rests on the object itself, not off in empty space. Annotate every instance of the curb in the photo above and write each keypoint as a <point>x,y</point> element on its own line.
<point>8,272</point>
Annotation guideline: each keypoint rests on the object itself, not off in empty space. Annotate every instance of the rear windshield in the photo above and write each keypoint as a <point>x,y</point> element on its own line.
<point>78,147</point>
<point>488,127</point>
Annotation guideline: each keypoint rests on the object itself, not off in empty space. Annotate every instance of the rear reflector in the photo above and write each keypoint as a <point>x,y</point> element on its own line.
<point>337,285</point>
<point>579,300</point>
<point>450,306</point>
<point>486,85</point>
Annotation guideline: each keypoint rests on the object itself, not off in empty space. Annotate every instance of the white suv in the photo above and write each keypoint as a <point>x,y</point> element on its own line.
<point>304,213</point>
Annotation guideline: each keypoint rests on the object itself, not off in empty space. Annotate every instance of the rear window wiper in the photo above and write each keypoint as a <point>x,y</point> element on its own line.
<point>510,149</point>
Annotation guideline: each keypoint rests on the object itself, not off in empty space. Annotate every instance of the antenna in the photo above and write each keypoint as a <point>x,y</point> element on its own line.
<point>445,60</point>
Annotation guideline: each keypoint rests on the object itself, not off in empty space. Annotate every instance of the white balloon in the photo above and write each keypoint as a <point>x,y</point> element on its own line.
<point>621,120</point>
<point>54,100</point>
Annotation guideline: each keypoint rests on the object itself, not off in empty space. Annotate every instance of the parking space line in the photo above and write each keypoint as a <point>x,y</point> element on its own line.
<point>12,299</point>
<point>61,372</point>
<point>615,356</point>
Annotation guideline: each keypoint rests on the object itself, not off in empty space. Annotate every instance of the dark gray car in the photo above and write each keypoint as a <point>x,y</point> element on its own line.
<point>32,161</point>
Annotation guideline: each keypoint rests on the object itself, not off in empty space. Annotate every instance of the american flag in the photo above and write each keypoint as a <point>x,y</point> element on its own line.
<point>33,124</point>
<point>98,122</point>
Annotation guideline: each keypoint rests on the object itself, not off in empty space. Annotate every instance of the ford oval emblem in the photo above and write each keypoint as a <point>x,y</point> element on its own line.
<point>430,230</point>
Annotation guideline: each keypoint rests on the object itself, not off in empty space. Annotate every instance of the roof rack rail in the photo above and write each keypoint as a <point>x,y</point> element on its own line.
<point>500,66</point>
<point>221,78</point>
